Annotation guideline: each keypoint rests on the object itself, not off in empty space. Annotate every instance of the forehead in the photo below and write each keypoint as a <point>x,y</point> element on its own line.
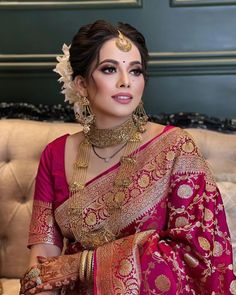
<point>109,50</point>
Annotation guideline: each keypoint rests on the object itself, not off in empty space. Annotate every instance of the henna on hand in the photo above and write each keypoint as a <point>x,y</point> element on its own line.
<point>51,274</point>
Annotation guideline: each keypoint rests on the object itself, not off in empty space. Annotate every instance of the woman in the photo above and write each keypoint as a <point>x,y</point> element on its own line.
<point>135,200</point>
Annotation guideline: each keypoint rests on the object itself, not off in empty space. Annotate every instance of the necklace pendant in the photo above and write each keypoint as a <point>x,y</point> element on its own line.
<point>106,160</point>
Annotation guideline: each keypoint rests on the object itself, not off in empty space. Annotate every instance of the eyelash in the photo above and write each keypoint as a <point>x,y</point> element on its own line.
<point>110,69</point>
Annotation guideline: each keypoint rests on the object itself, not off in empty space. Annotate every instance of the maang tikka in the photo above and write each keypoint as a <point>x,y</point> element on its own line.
<point>123,43</point>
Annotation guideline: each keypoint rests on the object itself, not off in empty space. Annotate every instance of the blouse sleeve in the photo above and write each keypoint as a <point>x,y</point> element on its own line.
<point>191,255</point>
<point>43,227</point>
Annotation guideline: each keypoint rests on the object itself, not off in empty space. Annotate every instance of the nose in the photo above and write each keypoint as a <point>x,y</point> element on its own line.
<point>124,80</point>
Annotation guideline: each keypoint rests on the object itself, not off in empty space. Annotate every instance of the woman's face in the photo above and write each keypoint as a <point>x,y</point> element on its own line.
<point>116,84</point>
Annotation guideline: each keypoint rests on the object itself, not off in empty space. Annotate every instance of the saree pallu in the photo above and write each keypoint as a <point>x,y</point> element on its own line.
<point>173,236</point>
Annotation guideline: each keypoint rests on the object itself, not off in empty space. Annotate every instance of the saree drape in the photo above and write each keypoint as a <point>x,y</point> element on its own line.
<point>173,236</point>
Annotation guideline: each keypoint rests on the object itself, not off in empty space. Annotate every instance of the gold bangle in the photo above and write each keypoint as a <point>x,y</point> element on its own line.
<point>89,266</point>
<point>83,265</point>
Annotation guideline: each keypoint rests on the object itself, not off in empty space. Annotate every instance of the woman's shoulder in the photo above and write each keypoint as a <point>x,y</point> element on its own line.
<point>57,142</point>
<point>55,149</point>
<point>156,129</point>
<point>174,137</point>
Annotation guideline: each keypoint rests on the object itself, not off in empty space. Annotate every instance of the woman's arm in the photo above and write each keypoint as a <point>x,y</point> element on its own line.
<point>45,250</point>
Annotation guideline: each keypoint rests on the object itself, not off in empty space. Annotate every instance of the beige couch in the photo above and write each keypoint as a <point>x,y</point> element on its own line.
<point>22,142</point>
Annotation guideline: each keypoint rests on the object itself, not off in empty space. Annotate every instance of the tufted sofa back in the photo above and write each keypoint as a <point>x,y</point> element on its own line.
<point>21,143</point>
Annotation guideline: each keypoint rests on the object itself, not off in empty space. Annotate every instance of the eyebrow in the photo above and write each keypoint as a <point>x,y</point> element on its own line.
<point>116,62</point>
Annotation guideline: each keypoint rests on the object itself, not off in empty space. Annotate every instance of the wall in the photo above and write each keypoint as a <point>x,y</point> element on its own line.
<point>192,45</point>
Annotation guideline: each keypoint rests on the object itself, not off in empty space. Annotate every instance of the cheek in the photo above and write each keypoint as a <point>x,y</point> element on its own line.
<point>140,86</point>
<point>104,85</point>
<point>95,88</point>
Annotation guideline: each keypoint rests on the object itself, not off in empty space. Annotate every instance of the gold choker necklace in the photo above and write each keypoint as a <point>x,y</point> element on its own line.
<point>108,137</point>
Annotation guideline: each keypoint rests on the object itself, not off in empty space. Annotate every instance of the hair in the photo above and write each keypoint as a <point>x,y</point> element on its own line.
<point>86,45</point>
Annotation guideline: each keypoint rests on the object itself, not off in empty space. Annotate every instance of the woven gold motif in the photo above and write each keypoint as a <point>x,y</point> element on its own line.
<point>170,155</point>
<point>208,215</point>
<point>181,221</point>
<point>163,283</point>
<point>144,181</point>
<point>185,191</point>
<point>125,267</point>
<point>218,249</point>
<point>203,242</point>
<point>188,147</point>
<point>91,219</point>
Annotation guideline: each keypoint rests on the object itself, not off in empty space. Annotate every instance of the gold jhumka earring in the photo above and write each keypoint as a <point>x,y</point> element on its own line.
<point>83,113</point>
<point>140,117</point>
<point>123,43</point>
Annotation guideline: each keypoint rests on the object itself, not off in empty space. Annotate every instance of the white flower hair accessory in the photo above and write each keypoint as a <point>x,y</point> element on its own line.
<point>63,68</point>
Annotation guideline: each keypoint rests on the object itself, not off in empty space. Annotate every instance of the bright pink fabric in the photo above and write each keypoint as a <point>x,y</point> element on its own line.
<point>164,257</point>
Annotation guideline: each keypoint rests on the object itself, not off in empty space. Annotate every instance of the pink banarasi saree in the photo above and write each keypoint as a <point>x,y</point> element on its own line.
<point>173,233</point>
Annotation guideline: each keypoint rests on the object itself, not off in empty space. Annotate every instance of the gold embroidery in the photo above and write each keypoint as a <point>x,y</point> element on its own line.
<point>43,227</point>
<point>125,267</point>
<point>170,155</point>
<point>181,221</point>
<point>185,191</point>
<point>91,219</point>
<point>163,283</point>
<point>208,215</point>
<point>190,260</point>
<point>203,242</point>
<point>218,249</point>
<point>144,181</point>
<point>188,147</point>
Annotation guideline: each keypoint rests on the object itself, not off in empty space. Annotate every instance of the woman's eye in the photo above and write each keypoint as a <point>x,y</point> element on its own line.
<point>136,72</point>
<point>108,70</point>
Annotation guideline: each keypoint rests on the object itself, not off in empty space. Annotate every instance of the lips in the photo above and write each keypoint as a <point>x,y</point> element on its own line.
<point>122,97</point>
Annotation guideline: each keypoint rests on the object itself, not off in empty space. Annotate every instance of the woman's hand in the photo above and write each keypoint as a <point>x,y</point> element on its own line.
<point>51,274</point>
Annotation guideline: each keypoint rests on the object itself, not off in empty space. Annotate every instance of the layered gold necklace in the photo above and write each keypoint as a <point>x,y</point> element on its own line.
<point>126,133</point>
